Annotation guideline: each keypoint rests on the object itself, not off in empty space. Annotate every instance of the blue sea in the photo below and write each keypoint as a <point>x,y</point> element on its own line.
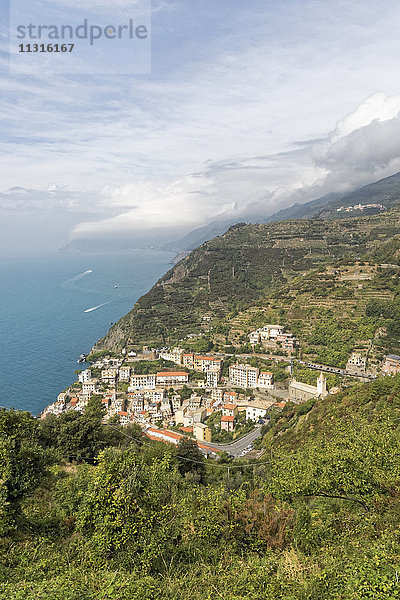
<point>54,307</point>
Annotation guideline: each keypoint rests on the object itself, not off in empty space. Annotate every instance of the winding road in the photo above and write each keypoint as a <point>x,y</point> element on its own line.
<point>236,448</point>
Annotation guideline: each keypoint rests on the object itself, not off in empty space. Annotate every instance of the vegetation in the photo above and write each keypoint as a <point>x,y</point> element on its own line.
<point>321,279</point>
<point>315,517</point>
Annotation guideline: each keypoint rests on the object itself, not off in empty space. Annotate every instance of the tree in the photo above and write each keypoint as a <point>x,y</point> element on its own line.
<point>190,458</point>
<point>130,505</point>
<point>82,436</point>
<point>23,461</point>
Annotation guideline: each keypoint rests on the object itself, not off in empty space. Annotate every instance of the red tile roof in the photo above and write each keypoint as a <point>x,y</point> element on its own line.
<point>171,373</point>
<point>227,419</point>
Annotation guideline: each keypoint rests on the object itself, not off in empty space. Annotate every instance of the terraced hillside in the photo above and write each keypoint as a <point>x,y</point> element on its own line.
<point>265,265</point>
<point>333,311</point>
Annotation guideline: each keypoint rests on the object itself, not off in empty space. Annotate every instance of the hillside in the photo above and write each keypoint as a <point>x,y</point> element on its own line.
<point>385,191</point>
<point>262,265</point>
<point>315,517</point>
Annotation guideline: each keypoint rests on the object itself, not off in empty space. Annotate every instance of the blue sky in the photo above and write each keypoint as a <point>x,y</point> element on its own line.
<point>250,106</point>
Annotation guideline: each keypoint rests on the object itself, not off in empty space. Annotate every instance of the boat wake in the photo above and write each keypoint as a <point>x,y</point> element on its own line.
<point>88,310</point>
<point>70,283</point>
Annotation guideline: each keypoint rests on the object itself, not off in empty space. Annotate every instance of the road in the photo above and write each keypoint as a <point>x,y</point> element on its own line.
<point>237,447</point>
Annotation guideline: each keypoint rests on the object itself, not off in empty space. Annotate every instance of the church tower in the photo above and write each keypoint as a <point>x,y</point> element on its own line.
<point>321,385</point>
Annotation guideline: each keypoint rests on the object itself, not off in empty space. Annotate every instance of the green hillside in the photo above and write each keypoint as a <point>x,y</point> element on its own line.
<point>316,517</point>
<point>385,191</point>
<point>287,269</point>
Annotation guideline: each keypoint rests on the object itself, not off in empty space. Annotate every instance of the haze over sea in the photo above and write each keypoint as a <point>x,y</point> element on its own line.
<point>46,321</point>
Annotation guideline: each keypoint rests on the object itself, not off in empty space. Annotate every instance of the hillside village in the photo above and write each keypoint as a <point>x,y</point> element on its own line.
<point>173,393</point>
<point>259,317</point>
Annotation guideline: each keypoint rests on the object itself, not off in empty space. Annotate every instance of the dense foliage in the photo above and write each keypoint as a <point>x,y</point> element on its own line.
<point>250,264</point>
<point>316,517</point>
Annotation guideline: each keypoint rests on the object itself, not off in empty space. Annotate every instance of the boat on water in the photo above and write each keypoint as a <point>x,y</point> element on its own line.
<point>115,287</point>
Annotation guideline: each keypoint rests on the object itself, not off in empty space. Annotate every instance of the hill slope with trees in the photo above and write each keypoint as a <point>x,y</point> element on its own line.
<point>316,517</point>
<point>247,266</point>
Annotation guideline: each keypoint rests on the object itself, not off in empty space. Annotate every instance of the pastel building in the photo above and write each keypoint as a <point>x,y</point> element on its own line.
<point>172,378</point>
<point>392,364</point>
<point>243,376</point>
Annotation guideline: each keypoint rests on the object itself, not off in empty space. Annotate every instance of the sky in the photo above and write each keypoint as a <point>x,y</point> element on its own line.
<point>247,108</point>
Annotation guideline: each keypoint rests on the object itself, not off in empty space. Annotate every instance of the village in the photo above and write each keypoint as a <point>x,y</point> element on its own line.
<point>200,397</point>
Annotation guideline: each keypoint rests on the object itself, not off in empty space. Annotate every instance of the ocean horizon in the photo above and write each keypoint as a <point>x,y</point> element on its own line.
<point>55,307</point>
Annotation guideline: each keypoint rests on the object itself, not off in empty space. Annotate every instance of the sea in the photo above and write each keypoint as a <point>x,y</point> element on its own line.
<point>54,307</point>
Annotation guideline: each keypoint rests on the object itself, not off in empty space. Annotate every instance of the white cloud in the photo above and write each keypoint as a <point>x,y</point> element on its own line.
<point>213,132</point>
<point>254,187</point>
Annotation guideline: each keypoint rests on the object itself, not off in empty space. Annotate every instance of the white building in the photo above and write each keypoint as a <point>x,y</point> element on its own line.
<point>300,392</point>
<point>268,332</point>
<point>356,362</point>
<point>142,381</point>
<point>172,354</point>
<point>212,379</point>
<point>266,380</point>
<point>109,375</point>
<point>243,376</point>
<point>172,377</point>
<point>85,376</point>
<point>124,373</point>
<point>255,411</point>
<point>90,387</point>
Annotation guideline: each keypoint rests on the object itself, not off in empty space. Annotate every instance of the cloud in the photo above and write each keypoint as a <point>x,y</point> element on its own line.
<point>364,146</point>
<point>213,132</point>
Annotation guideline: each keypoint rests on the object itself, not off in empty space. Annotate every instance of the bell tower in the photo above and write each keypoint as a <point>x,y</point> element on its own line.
<point>321,385</point>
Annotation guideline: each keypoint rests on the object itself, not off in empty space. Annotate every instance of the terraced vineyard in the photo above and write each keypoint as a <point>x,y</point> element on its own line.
<point>299,273</point>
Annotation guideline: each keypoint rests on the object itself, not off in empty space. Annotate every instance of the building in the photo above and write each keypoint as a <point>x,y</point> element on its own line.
<point>90,387</point>
<point>195,402</point>
<point>172,378</point>
<point>180,413</point>
<point>124,417</point>
<point>142,381</point>
<point>202,432</point>
<point>85,376</point>
<point>212,379</point>
<point>243,376</point>
<point>227,423</point>
<point>300,392</point>
<point>172,354</point>
<point>135,403</point>
<point>392,364</point>
<point>268,332</point>
<point>229,410</point>
<point>124,373</point>
<point>200,362</point>
<point>217,394</point>
<point>187,360</point>
<point>163,435</point>
<point>109,375</point>
<point>266,380</point>
<point>176,402</point>
<point>230,397</point>
<point>206,363</point>
<point>255,411</point>
<point>356,362</point>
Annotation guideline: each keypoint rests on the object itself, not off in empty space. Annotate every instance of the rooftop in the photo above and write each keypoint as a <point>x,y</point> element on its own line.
<point>171,373</point>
